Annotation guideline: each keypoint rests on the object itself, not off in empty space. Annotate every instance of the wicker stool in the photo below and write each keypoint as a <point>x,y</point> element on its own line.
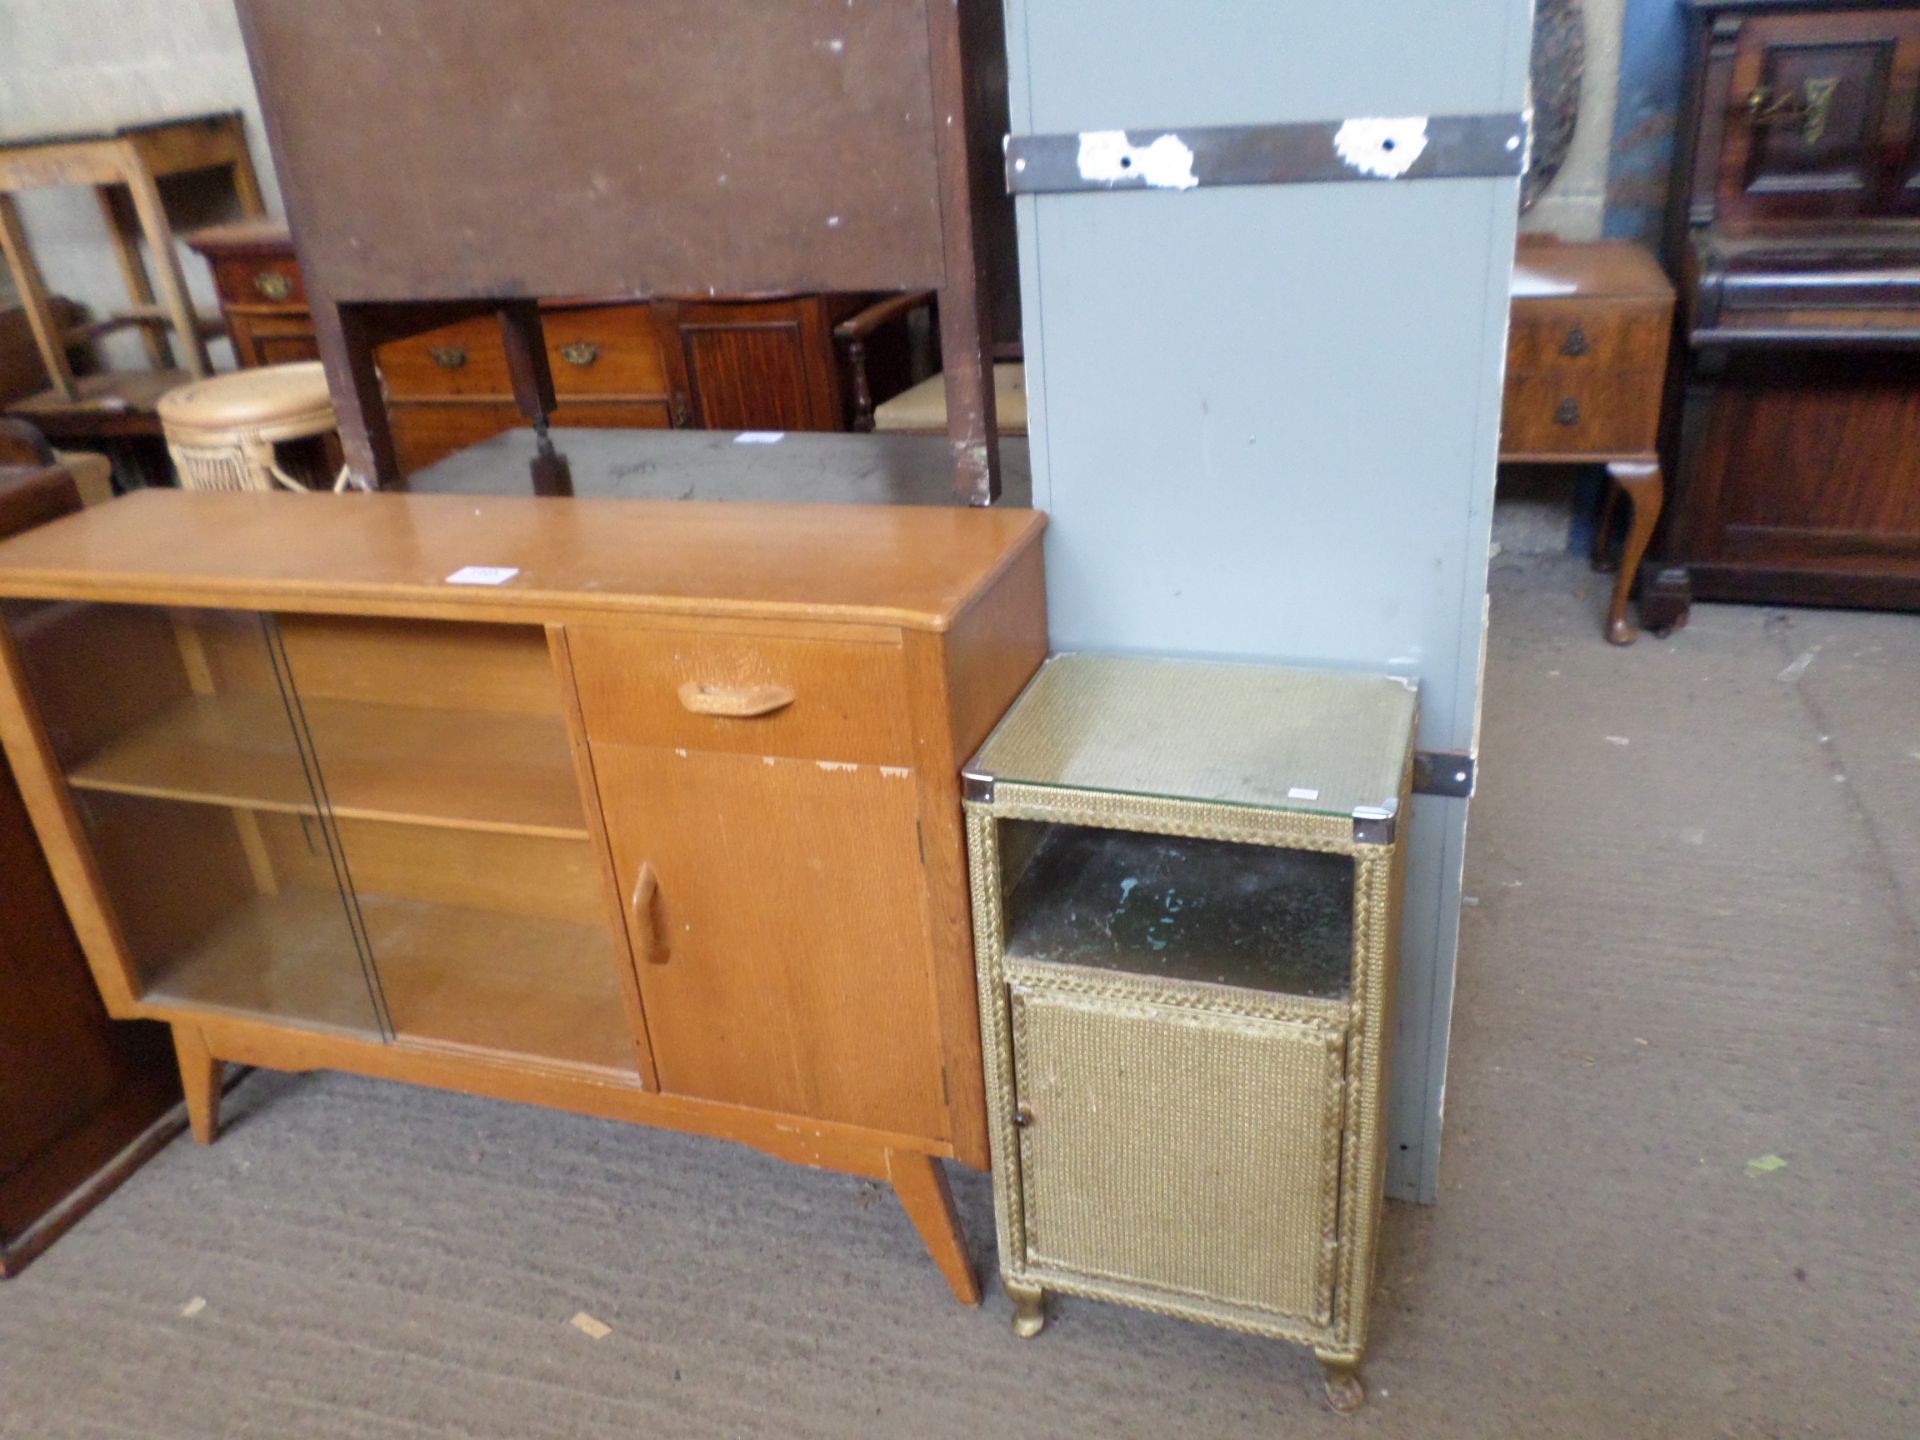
<point>222,432</point>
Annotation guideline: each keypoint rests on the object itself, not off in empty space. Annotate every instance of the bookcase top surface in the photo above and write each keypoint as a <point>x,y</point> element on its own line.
<point>1306,741</point>
<point>521,558</point>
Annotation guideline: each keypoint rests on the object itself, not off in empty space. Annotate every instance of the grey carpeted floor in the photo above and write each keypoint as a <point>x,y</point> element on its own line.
<point>1694,942</point>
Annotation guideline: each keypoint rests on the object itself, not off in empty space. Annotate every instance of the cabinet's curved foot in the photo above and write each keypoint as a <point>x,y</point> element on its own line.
<point>1346,1391</point>
<point>1665,599</point>
<point>1029,1308</point>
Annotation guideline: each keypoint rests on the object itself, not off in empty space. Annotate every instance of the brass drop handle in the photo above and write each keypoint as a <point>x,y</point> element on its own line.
<point>1022,1115</point>
<point>1567,413</point>
<point>646,885</point>
<point>447,357</point>
<point>1575,345</point>
<point>581,353</point>
<point>273,286</point>
<point>1811,105</point>
<point>743,702</point>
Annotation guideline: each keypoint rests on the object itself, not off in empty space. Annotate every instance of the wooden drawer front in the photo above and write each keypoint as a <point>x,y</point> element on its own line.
<point>424,432</point>
<point>593,351</point>
<point>256,280</point>
<point>847,705</point>
<point>1594,336</point>
<point>464,360</point>
<point>604,350</point>
<point>1568,410</point>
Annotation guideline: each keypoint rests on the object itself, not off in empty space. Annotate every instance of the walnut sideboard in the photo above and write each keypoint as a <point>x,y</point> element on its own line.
<point>642,809</point>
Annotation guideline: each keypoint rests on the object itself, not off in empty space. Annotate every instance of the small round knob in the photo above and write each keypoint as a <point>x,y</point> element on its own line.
<point>273,286</point>
<point>1567,413</point>
<point>1576,342</point>
<point>1022,1115</point>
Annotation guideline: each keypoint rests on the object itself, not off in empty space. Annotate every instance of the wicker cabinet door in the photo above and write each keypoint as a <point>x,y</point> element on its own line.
<point>1179,1150</point>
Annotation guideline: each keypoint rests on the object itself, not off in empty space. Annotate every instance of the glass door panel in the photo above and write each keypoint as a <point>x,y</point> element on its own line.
<point>443,757</point>
<point>195,786</point>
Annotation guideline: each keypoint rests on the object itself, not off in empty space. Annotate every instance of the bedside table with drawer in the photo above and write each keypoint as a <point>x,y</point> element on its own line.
<point>1586,367</point>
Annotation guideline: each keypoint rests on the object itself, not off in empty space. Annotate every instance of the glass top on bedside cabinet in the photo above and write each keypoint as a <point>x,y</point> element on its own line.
<point>1272,738</point>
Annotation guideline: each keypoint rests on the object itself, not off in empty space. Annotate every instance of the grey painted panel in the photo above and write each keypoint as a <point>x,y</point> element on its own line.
<point>1265,418</point>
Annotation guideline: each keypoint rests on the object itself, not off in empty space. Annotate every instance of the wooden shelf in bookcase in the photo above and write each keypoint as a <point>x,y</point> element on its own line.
<point>448,976</point>
<point>460,769</point>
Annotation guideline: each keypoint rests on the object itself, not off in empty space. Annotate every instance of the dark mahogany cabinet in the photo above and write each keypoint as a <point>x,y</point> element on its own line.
<point>83,1099</point>
<point>1795,224</point>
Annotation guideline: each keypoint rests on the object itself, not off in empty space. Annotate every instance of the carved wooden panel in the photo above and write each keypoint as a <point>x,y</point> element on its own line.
<point>1818,117</point>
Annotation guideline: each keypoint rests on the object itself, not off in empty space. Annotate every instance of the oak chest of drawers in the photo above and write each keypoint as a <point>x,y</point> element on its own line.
<point>1586,353</point>
<point>1587,346</point>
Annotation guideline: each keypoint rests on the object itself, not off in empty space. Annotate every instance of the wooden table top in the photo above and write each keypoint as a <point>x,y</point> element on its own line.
<point>103,133</point>
<point>1548,269</point>
<point>521,558</point>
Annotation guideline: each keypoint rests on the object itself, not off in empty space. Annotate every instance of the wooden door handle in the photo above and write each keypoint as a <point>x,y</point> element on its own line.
<point>741,701</point>
<point>640,906</point>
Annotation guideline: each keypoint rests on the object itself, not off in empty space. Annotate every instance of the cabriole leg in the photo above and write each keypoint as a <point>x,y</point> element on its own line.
<point>1029,1308</point>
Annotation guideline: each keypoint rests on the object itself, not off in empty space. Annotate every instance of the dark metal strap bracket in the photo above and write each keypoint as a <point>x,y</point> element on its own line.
<point>1411,147</point>
<point>1443,772</point>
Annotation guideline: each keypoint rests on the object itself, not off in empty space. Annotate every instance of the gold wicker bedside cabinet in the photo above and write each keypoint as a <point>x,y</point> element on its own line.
<point>1186,882</point>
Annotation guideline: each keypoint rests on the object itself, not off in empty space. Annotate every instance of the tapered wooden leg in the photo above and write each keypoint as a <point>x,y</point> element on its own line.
<point>1029,1308</point>
<point>200,1078</point>
<point>1346,1391</point>
<point>921,1183</point>
<point>1640,480</point>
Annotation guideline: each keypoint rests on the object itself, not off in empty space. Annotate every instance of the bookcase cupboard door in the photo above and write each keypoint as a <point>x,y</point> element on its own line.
<point>779,930</point>
<point>363,825</point>
<point>192,780</point>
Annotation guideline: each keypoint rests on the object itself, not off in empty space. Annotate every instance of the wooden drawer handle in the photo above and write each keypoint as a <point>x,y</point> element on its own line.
<point>640,906</point>
<point>447,357</point>
<point>1575,344</point>
<point>740,701</point>
<point>273,286</point>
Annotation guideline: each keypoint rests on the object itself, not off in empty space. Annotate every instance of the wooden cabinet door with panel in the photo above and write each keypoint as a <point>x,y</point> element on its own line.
<point>763,811</point>
<point>777,913</point>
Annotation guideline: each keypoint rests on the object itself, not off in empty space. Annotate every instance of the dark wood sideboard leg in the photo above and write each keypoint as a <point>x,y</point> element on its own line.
<point>347,344</point>
<point>1640,479</point>
<point>532,376</point>
<point>200,1076</point>
<point>921,1183</point>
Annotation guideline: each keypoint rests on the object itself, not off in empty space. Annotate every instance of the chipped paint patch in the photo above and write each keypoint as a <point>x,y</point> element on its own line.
<point>896,772</point>
<point>1382,146</point>
<point>1107,156</point>
<point>836,765</point>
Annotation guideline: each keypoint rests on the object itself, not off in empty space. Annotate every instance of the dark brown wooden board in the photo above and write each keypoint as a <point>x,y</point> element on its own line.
<point>601,146</point>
